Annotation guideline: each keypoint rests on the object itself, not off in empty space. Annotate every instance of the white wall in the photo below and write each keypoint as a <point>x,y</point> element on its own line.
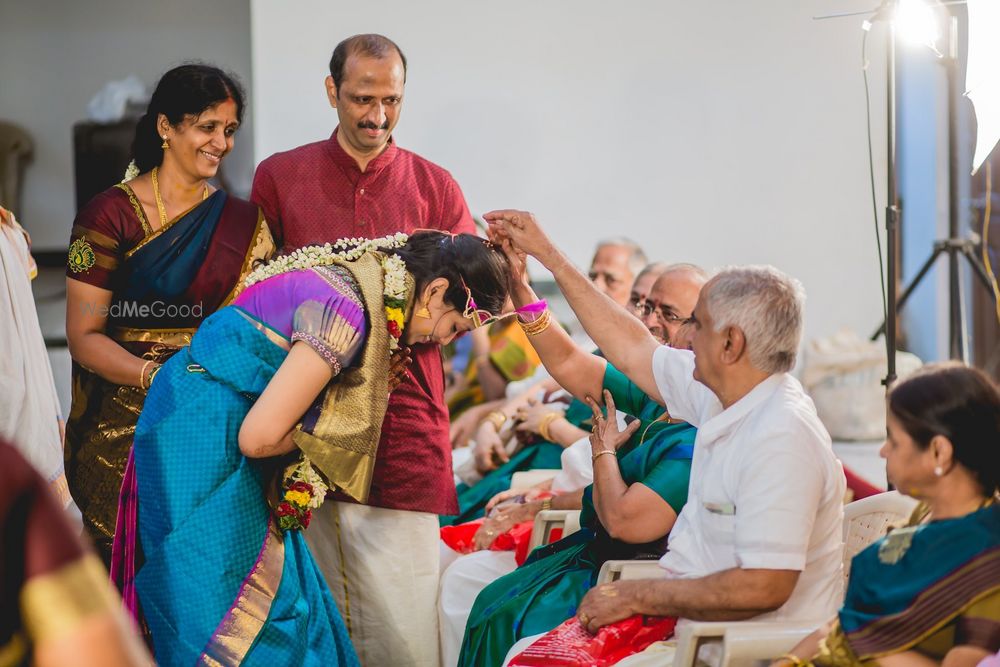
<point>713,131</point>
<point>56,54</point>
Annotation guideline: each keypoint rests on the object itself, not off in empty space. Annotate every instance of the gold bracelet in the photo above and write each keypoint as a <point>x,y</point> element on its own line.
<point>593,459</point>
<point>538,326</point>
<point>152,373</point>
<point>547,504</point>
<point>142,374</point>
<point>497,418</point>
<point>546,422</point>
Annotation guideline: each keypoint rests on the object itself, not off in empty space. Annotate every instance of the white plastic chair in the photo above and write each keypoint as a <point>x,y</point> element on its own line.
<point>748,642</point>
<point>547,520</point>
<point>528,478</point>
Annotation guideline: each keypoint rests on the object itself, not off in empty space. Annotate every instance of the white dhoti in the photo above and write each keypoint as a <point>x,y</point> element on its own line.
<point>460,585</point>
<point>382,567</point>
<point>30,414</point>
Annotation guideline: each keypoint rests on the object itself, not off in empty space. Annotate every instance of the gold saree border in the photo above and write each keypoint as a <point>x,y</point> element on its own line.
<point>262,249</point>
<point>54,604</point>
<point>153,234</point>
<point>175,337</point>
<point>344,443</point>
<point>13,653</point>
<point>890,628</point>
<point>136,206</point>
<point>244,621</point>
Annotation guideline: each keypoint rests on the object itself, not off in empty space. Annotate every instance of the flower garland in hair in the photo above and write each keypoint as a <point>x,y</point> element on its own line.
<point>303,488</point>
<point>130,172</point>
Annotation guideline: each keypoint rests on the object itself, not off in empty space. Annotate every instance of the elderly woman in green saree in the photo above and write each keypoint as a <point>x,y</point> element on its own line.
<point>928,593</point>
<point>279,397</point>
<point>149,259</point>
<point>640,485</point>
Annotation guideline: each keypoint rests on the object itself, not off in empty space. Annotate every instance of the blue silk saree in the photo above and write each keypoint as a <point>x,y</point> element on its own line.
<point>221,585</point>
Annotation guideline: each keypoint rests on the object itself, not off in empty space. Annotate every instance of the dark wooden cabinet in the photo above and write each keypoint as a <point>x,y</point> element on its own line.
<point>101,153</point>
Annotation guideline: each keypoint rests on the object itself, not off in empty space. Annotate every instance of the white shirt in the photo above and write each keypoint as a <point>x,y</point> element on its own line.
<point>766,490</point>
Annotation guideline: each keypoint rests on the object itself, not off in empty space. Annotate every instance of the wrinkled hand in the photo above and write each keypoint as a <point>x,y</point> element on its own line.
<point>398,363</point>
<point>607,604</point>
<point>522,230</point>
<point>530,416</point>
<point>489,451</point>
<point>605,434</point>
<point>529,494</point>
<point>502,520</point>
<point>517,260</point>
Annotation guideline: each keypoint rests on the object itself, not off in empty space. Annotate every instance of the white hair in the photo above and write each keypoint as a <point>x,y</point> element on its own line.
<point>636,256</point>
<point>766,305</point>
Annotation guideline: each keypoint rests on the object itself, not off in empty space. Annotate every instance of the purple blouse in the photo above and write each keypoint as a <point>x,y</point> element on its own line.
<point>321,307</point>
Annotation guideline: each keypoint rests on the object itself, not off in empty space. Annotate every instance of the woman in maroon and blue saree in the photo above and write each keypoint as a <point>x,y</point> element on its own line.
<point>137,289</point>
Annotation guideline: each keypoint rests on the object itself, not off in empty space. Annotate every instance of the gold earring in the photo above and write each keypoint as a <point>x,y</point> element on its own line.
<point>423,313</point>
<point>166,144</point>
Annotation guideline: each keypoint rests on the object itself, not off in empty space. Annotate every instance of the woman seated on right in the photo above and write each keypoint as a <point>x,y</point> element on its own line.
<point>928,593</point>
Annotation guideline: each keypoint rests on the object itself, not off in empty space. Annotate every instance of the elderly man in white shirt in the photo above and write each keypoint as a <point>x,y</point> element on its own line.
<point>760,535</point>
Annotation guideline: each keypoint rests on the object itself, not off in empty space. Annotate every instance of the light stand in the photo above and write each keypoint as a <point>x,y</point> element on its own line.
<point>954,246</point>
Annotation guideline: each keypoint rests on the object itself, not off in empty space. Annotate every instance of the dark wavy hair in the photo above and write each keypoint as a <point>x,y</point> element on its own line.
<point>960,403</point>
<point>462,258</point>
<point>187,90</point>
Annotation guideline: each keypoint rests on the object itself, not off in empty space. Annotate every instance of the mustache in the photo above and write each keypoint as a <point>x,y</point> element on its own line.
<point>368,125</point>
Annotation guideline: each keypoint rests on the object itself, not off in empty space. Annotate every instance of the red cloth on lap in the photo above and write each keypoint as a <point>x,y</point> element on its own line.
<point>570,645</point>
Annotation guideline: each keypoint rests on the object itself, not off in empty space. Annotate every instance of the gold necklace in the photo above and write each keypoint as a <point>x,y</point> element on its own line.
<point>159,201</point>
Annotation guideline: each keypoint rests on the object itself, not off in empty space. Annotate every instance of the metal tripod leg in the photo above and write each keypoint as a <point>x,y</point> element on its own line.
<point>938,249</point>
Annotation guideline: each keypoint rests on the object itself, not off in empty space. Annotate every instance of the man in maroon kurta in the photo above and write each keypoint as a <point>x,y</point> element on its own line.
<point>381,560</point>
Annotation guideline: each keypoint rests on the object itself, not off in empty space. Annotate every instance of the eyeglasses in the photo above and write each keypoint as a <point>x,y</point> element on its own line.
<point>645,308</point>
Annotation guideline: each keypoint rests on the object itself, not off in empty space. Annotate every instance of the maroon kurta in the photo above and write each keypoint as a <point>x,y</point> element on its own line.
<point>317,194</point>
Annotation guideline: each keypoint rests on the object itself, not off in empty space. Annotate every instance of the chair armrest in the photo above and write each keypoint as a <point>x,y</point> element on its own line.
<point>745,643</point>
<point>547,520</point>
<point>691,635</point>
<point>527,478</point>
<point>613,570</point>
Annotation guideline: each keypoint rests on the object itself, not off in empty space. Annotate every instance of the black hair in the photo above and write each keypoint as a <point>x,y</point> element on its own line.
<point>960,403</point>
<point>184,91</point>
<point>371,45</point>
<point>464,260</point>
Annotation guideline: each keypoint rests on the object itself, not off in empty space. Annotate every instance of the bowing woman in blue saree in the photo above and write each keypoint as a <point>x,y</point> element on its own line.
<point>149,259</point>
<point>279,395</point>
<point>928,593</point>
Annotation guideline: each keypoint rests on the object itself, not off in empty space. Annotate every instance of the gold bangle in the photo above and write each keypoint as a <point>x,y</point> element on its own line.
<point>142,374</point>
<point>537,326</point>
<point>547,504</point>
<point>152,373</point>
<point>497,418</point>
<point>546,422</point>
<point>593,459</point>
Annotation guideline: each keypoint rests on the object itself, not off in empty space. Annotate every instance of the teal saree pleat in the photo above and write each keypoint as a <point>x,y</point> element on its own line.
<point>220,585</point>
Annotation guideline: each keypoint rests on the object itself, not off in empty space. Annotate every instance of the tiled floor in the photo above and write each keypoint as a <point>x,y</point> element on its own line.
<point>50,298</point>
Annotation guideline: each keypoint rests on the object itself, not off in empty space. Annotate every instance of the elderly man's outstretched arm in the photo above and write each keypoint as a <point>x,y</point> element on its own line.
<point>622,338</point>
